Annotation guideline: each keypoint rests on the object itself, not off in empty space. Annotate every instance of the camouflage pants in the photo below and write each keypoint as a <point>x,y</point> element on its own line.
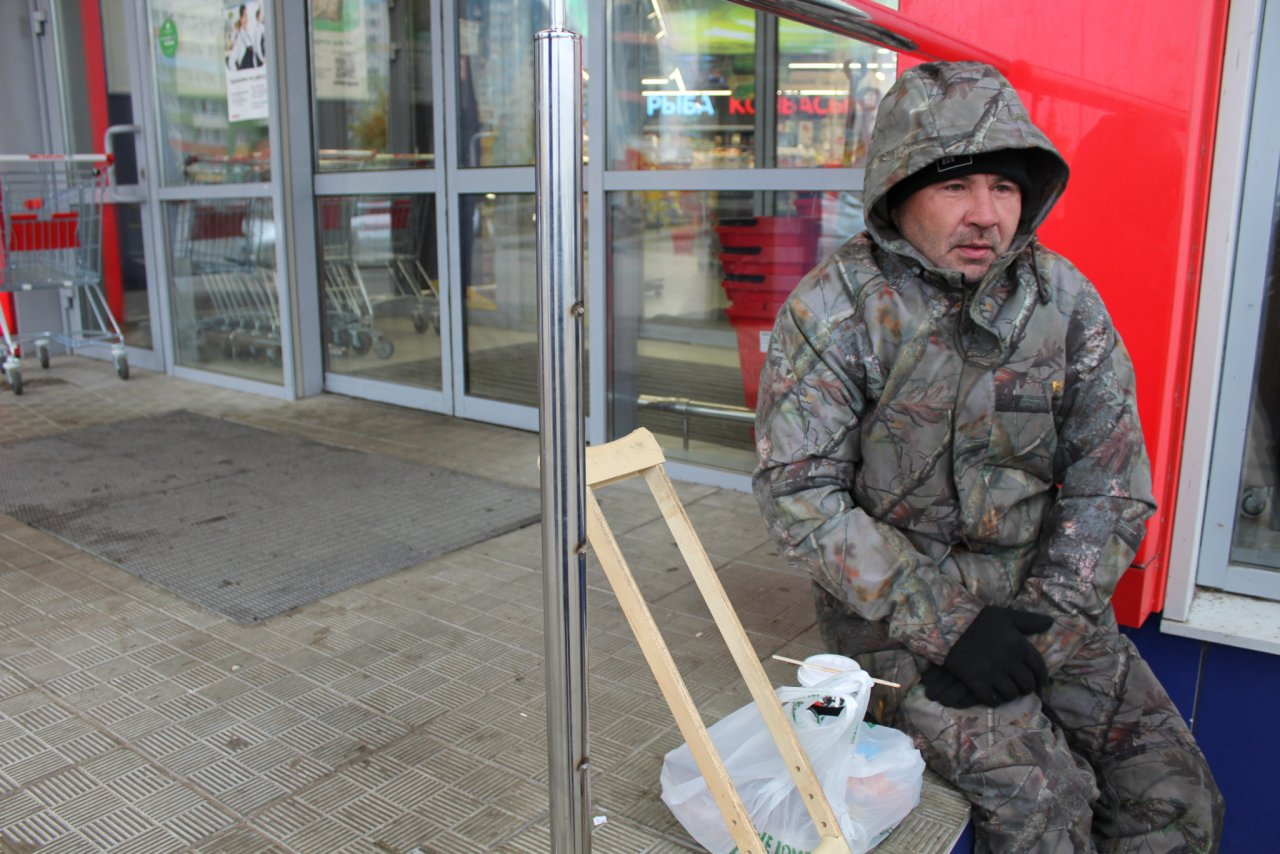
<point>1100,760</point>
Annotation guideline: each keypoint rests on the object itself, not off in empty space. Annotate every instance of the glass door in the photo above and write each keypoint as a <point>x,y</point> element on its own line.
<point>490,176</point>
<point>735,149</point>
<point>422,136</point>
<point>378,205</point>
<point>89,51</point>
<point>216,117</point>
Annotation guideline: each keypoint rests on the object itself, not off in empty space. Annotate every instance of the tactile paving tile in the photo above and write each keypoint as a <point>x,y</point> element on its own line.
<point>366,720</point>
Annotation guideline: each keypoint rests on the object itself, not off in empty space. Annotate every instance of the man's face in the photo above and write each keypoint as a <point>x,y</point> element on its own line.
<point>962,224</point>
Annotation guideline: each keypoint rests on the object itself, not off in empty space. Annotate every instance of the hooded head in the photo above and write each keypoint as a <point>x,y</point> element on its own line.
<point>947,119</point>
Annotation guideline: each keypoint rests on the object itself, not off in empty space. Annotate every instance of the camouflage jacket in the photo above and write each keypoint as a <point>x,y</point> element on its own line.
<point>928,445</point>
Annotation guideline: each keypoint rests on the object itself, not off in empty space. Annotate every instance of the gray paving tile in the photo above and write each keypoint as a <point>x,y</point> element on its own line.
<point>406,832</point>
<point>325,834</point>
<point>409,713</point>
<point>242,840</point>
<point>38,831</point>
<point>285,818</point>
<point>199,823</point>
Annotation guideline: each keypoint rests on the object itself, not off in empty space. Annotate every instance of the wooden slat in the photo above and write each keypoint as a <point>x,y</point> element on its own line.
<point>639,453</point>
<point>669,680</point>
<point>623,458</point>
<point>744,655</point>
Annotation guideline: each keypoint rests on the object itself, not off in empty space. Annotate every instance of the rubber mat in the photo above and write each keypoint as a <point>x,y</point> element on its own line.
<point>242,521</point>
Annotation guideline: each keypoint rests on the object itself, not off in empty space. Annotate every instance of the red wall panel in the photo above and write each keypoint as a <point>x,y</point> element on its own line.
<point>1128,92</point>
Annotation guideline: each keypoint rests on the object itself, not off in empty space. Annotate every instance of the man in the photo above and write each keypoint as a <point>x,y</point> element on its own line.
<point>949,442</point>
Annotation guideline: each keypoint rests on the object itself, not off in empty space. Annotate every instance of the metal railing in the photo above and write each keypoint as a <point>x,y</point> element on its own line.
<point>685,408</point>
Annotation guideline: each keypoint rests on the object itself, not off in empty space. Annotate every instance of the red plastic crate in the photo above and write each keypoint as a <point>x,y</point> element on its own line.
<point>753,325</point>
<point>755,307</point>
<point>754,261</point>
<point>732,238</point>
<point>768,245</point>
<point>216,222</point>
<point>793,256</point>
<point>30,233</point>
<point>776,287</point>
<point>768,231</point>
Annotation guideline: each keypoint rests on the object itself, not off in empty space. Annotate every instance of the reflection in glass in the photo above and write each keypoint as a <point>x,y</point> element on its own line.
<point>696,281</point>
<point>124,275</point>
<point>829,90</point>
<point>127,267</point>
<point>499,280</point>
<point>1256,537</point>
<point>211,91</point>
<point>684,85</point>
<point>495,78</point>
<point>499,283</point>
<point>371,79</point>
<point>226,308</point>
<point>379,272</point>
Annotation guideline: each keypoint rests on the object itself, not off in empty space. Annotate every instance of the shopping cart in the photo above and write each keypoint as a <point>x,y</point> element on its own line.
<point>349,307</point>
<point>408,230</point>
<point>51,237</point>
<point>228,292</point>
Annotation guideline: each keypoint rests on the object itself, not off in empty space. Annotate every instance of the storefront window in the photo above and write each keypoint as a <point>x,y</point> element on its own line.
<point>211,90</point>
<point>683,85</point>
<point>379,274</point>
<point>1240,545</point>
<point>371,83</point>
<point>500,287</point>
<point>495,78</point>
<point>829,89</point>
<point>696,280</point>
<point>499,280</point>
<point>226,308</point>
<point>1256,538</point>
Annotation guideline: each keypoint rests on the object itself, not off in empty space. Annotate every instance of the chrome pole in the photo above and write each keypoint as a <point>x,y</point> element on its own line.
<point>558,175</point>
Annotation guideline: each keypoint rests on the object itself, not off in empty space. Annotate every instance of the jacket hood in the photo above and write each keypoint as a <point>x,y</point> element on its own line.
<point>956,109</point>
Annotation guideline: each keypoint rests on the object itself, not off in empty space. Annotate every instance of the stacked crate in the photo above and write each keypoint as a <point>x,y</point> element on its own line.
<point>763,258</point>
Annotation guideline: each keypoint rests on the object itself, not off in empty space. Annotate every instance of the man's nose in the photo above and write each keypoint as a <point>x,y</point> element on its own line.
<point>982,208</point>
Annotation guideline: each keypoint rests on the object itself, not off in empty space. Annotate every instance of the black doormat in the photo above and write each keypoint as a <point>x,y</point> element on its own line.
<point>242,521</point>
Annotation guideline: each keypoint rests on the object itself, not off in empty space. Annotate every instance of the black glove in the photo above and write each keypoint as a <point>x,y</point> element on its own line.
<point>943,686</point>
<point>994,659</point>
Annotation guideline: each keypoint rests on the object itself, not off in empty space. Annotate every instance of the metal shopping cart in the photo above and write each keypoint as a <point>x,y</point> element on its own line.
<point>51,237</point>
<point>227,288</point>
<point>349,308</point>
<point>408,230</point>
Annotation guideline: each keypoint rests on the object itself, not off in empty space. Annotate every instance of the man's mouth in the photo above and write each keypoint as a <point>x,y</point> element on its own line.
<point>975,251</point>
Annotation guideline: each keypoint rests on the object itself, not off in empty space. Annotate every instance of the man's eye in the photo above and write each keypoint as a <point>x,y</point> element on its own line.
<point>1004,187</point>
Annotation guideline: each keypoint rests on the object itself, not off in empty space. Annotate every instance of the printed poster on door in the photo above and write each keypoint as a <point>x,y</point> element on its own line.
<point>246,61</point>
<point>338,50</point>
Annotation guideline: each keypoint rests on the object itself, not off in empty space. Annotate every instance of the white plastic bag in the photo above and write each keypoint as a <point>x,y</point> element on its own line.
<point>884,781</point>
<point>871,775</point>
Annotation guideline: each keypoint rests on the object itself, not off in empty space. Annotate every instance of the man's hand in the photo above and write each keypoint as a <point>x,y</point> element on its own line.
<point>943,686</point>
<point>993,658</point>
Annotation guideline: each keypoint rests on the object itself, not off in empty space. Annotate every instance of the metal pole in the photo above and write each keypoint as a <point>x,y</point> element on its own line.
<point>558,101</point>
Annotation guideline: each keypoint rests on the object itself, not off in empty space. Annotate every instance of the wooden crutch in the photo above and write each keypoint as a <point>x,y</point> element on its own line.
<point>639,454</point>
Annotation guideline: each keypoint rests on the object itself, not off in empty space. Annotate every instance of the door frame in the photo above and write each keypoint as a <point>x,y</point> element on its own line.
<point>55,96</point>
<point>293,377</point>
<point>311,185</point>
